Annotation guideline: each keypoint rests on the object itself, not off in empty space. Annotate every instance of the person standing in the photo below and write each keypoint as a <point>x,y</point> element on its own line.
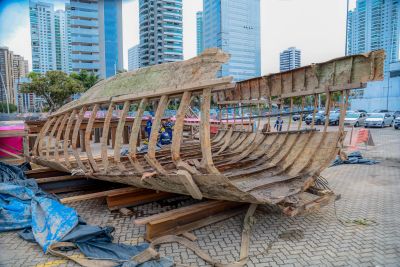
<point>278,124</point>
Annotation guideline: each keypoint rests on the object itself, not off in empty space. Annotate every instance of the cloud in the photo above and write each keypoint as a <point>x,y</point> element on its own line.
<point>14,28</point>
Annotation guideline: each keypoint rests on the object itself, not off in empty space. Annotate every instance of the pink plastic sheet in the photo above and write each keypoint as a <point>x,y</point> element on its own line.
<point>12,144</point>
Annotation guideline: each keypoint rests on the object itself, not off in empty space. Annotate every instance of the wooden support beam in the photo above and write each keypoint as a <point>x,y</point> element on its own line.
<point>101,194</point>
<point>139,197</point>
<point>188,218</point>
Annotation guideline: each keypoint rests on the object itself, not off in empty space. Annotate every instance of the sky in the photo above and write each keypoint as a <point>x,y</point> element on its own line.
<point>316,27</point>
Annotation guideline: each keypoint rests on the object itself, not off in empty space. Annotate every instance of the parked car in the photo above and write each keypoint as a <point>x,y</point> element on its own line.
<point>361,111</point>
<point>396,114</point>
<point>379,120</point>
<point>397,123</point>
<point>319,117</point>
<point>380,111</point>
<point>355,119</point>
<point>296,116</point>
<point>334,118</point>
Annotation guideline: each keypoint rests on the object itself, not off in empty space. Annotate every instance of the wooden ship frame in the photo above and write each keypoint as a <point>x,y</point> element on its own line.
<point>243,164</point>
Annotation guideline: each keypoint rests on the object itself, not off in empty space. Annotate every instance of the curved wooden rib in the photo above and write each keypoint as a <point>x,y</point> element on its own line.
<point>88,134</point>
<point>206,161</point>
<point>104,139</point>
<point>50,138</point>
<point>118,135</point>
<point>66,138</point>
<point>133,140</point>
<point>178,133</point>
<point>58,137</point>
<point>75,136</point>
<point>42,135</point>
<point>151,150</point>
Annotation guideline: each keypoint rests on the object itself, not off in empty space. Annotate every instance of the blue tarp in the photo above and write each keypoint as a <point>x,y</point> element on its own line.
<point>354,158</point>
<point>23,205</point>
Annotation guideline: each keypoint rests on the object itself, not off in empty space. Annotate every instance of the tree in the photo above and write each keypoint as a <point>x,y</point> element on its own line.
<point>11,107</point>
<point>88,79</point>
<point>55,87</point>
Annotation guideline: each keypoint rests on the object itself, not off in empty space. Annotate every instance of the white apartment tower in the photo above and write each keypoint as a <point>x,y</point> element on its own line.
<point>43,38</point>
<point>133,58</point>
<point>289,59</point>
<point>161,36</point>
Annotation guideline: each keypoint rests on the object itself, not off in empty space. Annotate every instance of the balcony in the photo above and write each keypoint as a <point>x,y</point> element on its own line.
<point>85,40</point>
<point>84,14</point>
<point>84,31</point>
<point>91,66</point>
<point>83,48</point>
<point>82,22</point>
<point>79,5</point>
<point>84,57</point>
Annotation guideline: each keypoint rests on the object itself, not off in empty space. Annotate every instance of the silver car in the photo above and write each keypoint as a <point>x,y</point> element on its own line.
<point>379,120</point>
<point>355,119</point>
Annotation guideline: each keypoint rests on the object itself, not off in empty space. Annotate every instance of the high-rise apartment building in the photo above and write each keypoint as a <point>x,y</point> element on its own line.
<point>199,31</point>
<point>372,25</point>
<point>43,38</point>
<point>12,67</point>
<point>160,31</point>
<point>234,26</point>
<point>6,75</point>
<point>289,59</point>
<point>63,48</point>
<point>133,58</point>
<point>96,36</point>
<point>20,67</point>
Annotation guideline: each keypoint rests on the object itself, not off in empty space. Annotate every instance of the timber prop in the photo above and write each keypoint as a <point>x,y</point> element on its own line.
<point>242,164</point>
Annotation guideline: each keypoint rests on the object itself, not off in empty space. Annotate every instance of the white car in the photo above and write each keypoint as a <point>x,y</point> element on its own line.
<point>355,119</point>
<point>378,120</point>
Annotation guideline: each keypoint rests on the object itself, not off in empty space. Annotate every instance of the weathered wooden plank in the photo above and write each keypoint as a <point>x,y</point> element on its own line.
<point>101,194</point>
<point>104,139</point>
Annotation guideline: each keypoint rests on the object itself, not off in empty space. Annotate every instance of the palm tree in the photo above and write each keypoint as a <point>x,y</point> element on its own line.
<point>88,79</point>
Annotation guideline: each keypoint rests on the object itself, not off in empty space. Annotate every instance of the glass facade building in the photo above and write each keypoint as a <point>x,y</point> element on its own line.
<point>161,33</point>
<point>372,25</point>
<point>199,31</point>
<point>96,36</point>
<point>234,26</point>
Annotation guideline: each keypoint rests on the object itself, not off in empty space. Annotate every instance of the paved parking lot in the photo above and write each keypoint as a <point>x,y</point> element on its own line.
<point>361,229</point>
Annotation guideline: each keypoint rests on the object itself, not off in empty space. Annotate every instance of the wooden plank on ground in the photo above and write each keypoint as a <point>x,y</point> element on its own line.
<point>99,194</point>
<point>130,199</point>
<point>44,172</point>
<point>59,178</point>
<point>186,219</point>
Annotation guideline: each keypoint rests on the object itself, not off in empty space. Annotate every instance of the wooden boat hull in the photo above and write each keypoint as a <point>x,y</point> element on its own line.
<point>238,163</point>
